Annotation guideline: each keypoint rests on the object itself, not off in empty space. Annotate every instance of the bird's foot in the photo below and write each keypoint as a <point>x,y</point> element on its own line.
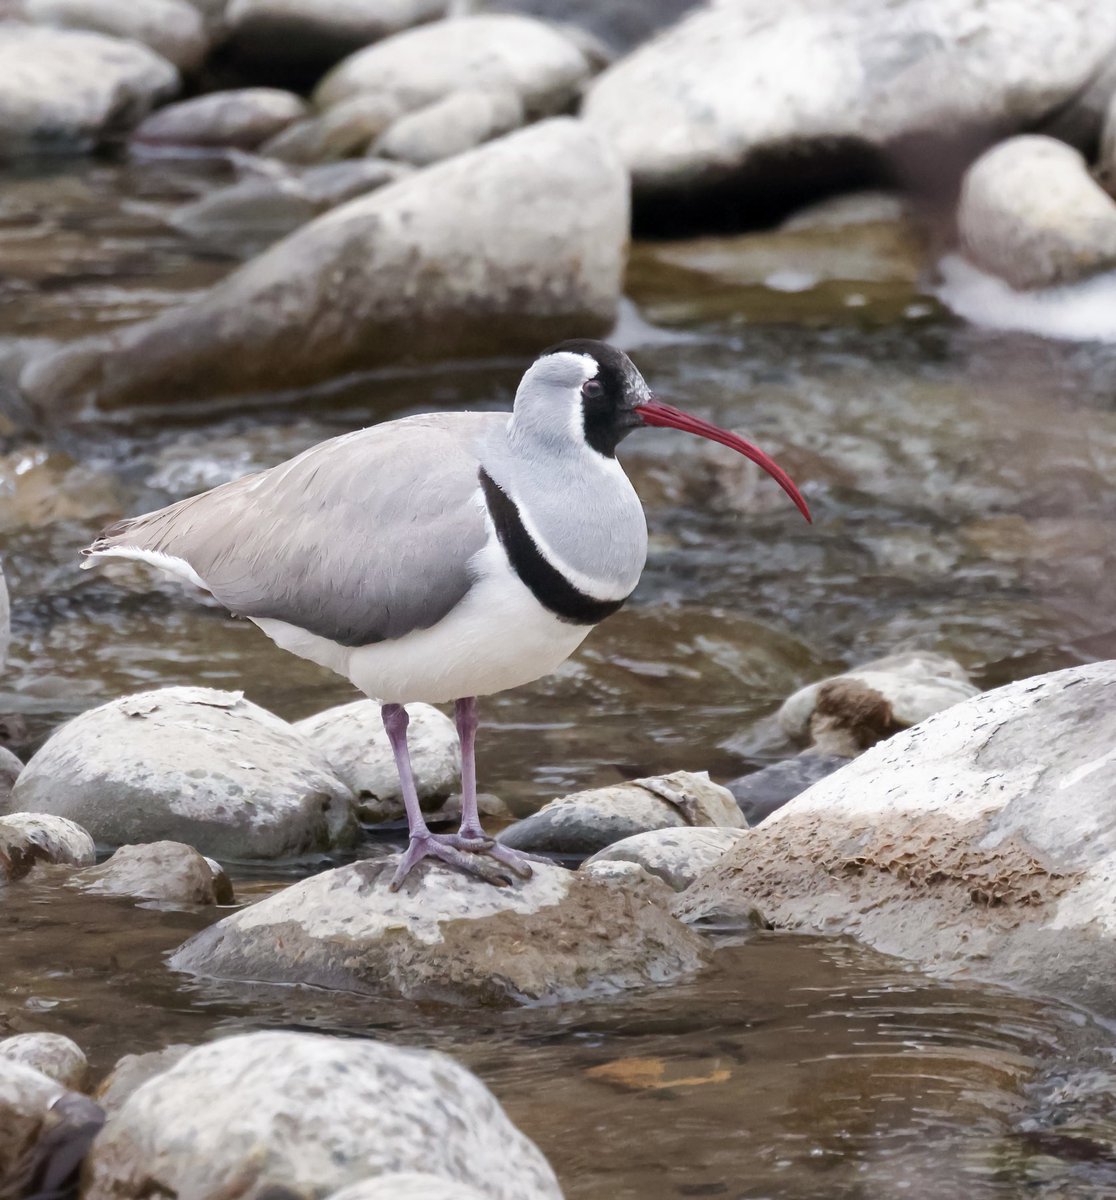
<point>475,855</point>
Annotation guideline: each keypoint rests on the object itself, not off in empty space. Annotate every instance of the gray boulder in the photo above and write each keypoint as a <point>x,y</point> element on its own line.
<point>980,843</point>
<point>676,856</point>
<point>134,1070</point>
<point>745,104</point>
<point>63,91</point>
<point>615,27</point>
<point>352,740</point>
<point>310,1114</point>
<point>242,118</point>
<point>768,789</point>
<point>51,1054</point>
<point>27,838</point>
<point>346,129</point>
<point>585,822</point>
<point>446,936</point>
<point>5,621</point>
<point>10,767</point>
<point>1031,214</point>
<point>459,122</point>
<point>1106,162</point>
<point>430,266</point>
<point>505,51</point>
<point>169,873</point>
<point>194,765</point>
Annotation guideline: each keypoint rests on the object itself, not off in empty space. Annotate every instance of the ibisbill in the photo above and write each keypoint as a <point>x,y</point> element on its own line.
<point>438,558</point>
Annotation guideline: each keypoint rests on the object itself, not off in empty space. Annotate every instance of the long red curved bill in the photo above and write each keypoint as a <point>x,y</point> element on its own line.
<point>653,412</point>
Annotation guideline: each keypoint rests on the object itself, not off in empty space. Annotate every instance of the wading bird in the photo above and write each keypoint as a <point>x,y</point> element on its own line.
<point>440,557</point>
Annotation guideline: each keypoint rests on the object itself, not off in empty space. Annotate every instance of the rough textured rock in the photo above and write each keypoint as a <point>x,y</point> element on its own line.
<point>509,247</point>
<point>193,765</point>
<point>172,28</point>
<point>768,789</point>
<point>311,1114</point>
<point>735,112</point>
<point>168,872</point>
<point>134,1070</point>
<point>1031,213</point>
<point>452,125</point>
<point>846,714</point>
<point>27,838</point>
<point>242,118</point>
<point>51,1054</point>
<point>630,878</point>
<point>346,129</point>
<point>585,822</point>
<point>353,742</point>
<point>981,842</point>
<point>448,937</point>
<point>62,91</point>
<point>518,54</point>
<point>409,1185</point>
<point>676,856</point>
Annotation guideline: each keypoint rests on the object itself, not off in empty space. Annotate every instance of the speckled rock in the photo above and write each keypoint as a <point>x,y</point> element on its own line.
<point>676,856</point>
<point>50,1054</point>
<point>27,838</point>
<point>447,936</point>
<point>1031,214</point>
<point>631,878</point>
<point>429,266</point>
<point>585,822</point>
<point>353,742</point>
<point>167,872</point>
<point>242,118</point>
<point>768,789</point>
<point>195,765</point>
<point>10,767</point>
<point>310,1114</point>
<point>452,125</point>
<point>980,843</point>
<point>134,1070</point>
<point>409,1185</point>
<point>63,91</point>
<point>506,51</point>
<point>346,129</point>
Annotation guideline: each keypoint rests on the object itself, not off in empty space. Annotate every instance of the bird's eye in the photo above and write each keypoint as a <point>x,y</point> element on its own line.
<point>591,389</point>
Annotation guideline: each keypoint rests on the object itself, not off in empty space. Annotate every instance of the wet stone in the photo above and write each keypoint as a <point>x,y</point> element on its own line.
<point>167,872</point>
<point>10,767</point>
<point>768,789</point>
<point>51,1054</point>
<point>134,1070</point>
<point>242,118</point>
<point>28,838</point>
<point>676,856</point>
<point>346,129</point>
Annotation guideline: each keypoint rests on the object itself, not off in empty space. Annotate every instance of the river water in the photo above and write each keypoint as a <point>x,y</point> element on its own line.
<point>963,485</point>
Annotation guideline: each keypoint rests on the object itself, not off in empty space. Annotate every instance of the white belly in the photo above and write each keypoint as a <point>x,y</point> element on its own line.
<point>498,637</point>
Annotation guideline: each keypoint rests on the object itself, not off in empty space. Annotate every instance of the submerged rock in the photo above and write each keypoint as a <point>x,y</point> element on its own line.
<point>306,1114</point>
<point>27,838</point>
<point>768,789</point>
<point>1031,214</point>
<point>63,91</point>
<point>585,822</point>
<point>428,266</point>
<point>452,125</point>
<point>353,742</point>
<point>242,118</point>
<point>447,936</point>
<point>982,842</point>
<point>168,872</point>
<point>194,765</point>
<point>51,1054</point>
<point>676,856</point>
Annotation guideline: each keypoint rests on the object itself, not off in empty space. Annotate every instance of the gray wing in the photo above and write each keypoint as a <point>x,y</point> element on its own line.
<point>361,539</point>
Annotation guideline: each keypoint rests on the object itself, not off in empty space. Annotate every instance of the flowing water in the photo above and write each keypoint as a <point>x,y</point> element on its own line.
<point>964,487</point>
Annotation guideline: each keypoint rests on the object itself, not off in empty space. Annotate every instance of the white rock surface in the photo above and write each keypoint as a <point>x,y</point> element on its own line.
<point>346,129</point>
<point>169,873</point>
<point>242,118</point>
<point>63,91</point>
<point>5,620</point>
<point>27,838</point>
<point>1031,214</point>
<point>447,936</point>
<point>513,245</point>
<point>10,767</point>
<point>982,842</point>
<point>504,50</point>
<point>676,856</point>
<point>352,740</point>
<point>585,822</point>
<point>459,122</point>
<point>51,1054</point>
<point>193,765</point>
<point>311,1114</point>
<point>409,1185</point>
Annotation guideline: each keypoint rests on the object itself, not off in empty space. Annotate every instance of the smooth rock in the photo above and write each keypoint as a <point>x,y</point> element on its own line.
<point>10,767</point>
<point>51,1054</point>
<point>172,28</point>
<point>676,856</point>
<point>430,266</point>
<point>585,822</point>
<point>27,838</point>
<point>768,789</point>
<point>242,118</point>
<point>982,843</point>
<point>446,936</point>
<point>168,872</point>
<point>194,765</point>
<point>505,51</point>
<point>1031,214</point>
<point>631,878</point>
<point>347,129</point>
<point>134,1070</point>
<point>409,1185</point>
<point>616,27</point>
<point>5,622</point>
<point>459,122</point>
<point>846,714</point>
<point>746,106</point>
<point>63,91</point>
<point>352,740</point>
<point>310,1114</point>
<point>1106,161</point>
<point>334,183</point>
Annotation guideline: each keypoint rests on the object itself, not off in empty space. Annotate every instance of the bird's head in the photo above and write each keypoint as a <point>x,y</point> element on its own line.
<point>590,393</point>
